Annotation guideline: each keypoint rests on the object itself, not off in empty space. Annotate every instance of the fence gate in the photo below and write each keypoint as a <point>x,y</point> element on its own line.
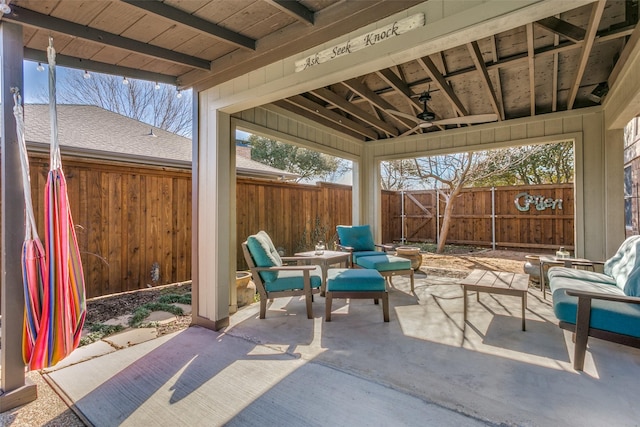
<point>420,213</point>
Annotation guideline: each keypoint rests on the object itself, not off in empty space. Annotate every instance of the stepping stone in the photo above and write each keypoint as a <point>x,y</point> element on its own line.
<point>120,320</point>
<point>131,337</point>
<point>160,317</point>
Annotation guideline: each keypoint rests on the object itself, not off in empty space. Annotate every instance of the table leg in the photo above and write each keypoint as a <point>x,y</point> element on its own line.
<point>544,293</point>
<point>464,298</point>
<point>323,268</point>
<point>524,305</point>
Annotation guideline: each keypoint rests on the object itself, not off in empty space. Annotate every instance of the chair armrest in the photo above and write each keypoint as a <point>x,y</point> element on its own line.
<point>345,248</point>
<point>286,267</point>
<point>600,296</point>
<point>298,258</point>
<point>385,248</point>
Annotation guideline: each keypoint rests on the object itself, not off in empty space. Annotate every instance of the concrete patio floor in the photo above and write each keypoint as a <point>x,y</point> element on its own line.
<point>425,367</point>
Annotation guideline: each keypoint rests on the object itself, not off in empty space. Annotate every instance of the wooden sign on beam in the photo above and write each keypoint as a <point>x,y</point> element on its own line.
<point>358,43</point>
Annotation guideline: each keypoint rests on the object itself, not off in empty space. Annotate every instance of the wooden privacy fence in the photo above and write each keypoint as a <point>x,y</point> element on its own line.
<point>542,218</point>
<point>295,216</point>
<point>134,222</point>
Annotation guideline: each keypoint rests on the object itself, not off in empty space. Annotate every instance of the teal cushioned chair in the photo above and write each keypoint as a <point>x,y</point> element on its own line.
<point>274,279</point>
<point>358,239</point>
<point>602,305</point>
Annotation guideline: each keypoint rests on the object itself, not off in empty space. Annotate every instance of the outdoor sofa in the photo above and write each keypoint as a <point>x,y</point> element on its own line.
<point>601,305</point>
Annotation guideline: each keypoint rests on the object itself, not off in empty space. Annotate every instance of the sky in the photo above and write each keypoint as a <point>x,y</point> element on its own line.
<point>35,82</point>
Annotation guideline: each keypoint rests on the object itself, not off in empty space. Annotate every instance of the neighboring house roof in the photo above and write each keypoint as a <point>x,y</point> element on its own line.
<point>92,131</point>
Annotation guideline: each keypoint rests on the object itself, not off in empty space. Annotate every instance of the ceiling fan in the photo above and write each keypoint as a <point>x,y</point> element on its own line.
<point>426,118</point>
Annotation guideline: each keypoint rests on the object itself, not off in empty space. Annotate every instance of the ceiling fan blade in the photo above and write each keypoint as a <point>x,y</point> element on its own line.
<point>410,131</point>
<point>405,115</point>
<point>479,118</point>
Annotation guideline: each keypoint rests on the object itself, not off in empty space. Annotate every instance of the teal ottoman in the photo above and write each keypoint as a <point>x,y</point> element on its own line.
<point>356,283</point>
<point>387,265</point>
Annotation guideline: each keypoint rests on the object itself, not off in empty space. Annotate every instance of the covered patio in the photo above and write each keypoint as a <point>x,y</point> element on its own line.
<point>425,367</point>
<point>494,372</point>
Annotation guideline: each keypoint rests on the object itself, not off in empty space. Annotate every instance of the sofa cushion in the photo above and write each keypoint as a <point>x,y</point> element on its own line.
<point>572,273</point>
<point>354,280</point>
<point>560,283</point>
<point>624,262</point>
<point>264,254</point>
<point>288,280</point>
<point>358,237</point>
<point>611,316</point>
<point>384,263</point>
<point>632,287</point>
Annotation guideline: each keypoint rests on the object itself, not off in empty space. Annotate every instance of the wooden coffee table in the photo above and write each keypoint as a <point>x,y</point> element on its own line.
<point>496,282</point>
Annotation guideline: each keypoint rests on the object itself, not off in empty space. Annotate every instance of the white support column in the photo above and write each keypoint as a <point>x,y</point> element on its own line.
<point>14,389</point>
<point>366,192</point>
<point>614,190</point>
<point>214,202</point>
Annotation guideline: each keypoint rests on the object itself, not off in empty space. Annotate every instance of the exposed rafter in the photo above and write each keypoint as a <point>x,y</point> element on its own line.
<point>399,85</point>
<point>532,68</point>
<point>562,28</point>
<point>375,99</point>
<point>496,76</point>
<point>294,9</point>
<point>439,80</point>
<point>38,20</point>
<point>343,104</point>
<point>294,108</point>
<point>476,56</point>
<point>592,28</point>
<point>554,77</point>
<point>177,15</point>
<point>319,110</point>
<point>402,87</point>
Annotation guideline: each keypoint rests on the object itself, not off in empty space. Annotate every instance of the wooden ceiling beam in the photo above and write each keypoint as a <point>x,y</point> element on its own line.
<point>335,99</point>
<point>294,9</point>
<point>554,77</point>
<point>399,86</point>
<point>596,14</point>
<point>363,91</point>
<point>319,110</point>
<point>46,22</point>
<point>284,104</point>
<point>476,56</point>
<point>403,88</point>
<point>496,75</point>
<point>532,68</point>
<point>562,28</point>
<point>439,80</point>
<point>342,18</point>
<point>520,60</point>
<point>191,21</point>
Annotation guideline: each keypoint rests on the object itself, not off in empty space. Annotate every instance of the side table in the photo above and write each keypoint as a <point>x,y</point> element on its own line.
<point>325,260</point>
<point>496,282</point>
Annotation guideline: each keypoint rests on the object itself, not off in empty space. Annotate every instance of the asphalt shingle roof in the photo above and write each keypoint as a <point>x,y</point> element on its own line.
<point>107,134</point>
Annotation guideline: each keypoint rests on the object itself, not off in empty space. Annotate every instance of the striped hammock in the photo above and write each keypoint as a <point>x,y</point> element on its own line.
<point>53,280</point>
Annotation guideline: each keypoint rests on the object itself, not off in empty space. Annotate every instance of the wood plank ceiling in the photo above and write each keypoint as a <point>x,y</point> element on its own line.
<point>558,63</point>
